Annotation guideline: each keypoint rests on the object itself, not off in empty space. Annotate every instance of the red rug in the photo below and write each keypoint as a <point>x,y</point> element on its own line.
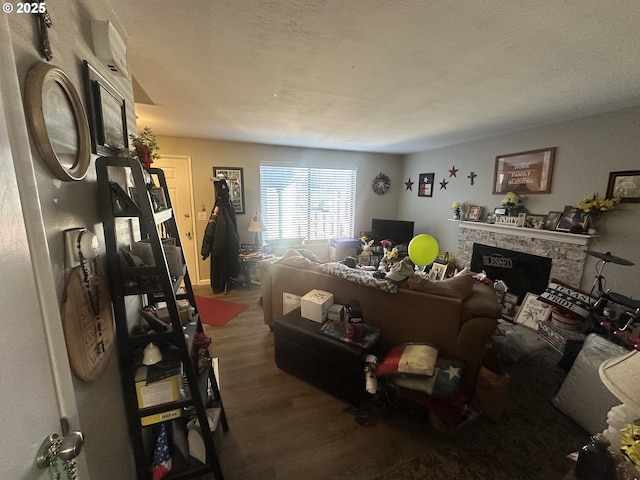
<point>218,312</point>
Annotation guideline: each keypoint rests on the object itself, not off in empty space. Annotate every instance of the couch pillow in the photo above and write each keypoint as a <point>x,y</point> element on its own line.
<point>459,286</point>
<point>567,300</point>
<point>409,359</point>
<point>444,383</point>
<point>294,258</point>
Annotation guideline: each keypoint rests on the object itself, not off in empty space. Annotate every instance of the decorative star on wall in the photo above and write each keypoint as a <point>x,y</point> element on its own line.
<point>409,184</point>
<point>443,184</point>
<point>453,171</point>
<point>471,177</point>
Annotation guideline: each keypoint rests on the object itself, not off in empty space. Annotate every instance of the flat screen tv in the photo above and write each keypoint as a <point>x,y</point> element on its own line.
<point>400,232</point>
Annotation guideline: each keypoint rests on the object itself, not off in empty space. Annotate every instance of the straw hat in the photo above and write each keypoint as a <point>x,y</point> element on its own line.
<point>621,375</point>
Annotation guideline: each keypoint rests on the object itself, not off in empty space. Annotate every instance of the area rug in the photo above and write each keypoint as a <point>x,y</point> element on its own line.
<point>530,442</point>
<point>216,312</point>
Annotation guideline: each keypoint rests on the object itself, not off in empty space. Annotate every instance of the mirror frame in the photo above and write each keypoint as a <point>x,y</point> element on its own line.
<point>43,76</point>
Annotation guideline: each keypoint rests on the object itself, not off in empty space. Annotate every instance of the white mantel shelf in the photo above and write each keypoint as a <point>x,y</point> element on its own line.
<point>574,238</point>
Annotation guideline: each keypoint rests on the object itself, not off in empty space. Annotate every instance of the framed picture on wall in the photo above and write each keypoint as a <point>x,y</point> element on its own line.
<point>524,172</point>
<point>235,181</point>
<point>107,114</point>
<point>624,185</point>
<point>425,184</point>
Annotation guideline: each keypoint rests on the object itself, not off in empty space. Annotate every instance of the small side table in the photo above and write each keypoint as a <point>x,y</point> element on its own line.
<point>247,263</point>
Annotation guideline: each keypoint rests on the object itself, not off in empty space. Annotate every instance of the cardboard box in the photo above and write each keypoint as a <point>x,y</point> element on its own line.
<point>185,312</point>
<point>158,384</point>
<point>335,312</point>
<point>315,305</point>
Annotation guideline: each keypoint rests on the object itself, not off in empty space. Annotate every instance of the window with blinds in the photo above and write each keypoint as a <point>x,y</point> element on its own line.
<point>310,203</point>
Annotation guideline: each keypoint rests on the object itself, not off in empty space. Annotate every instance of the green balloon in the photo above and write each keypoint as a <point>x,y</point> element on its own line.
<point>423,249</point>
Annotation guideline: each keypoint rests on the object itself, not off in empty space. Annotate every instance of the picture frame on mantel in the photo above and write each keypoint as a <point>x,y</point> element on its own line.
<point>625,185</point>
<point>524,172</point>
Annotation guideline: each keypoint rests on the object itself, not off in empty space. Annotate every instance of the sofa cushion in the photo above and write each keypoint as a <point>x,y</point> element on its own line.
<point>445,382</point>
<point>459,286</point>
<point>298,258</point>
<point>409,359</point>
<point>482,302</point>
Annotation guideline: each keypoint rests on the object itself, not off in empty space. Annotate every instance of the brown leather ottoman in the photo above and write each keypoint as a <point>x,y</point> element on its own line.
<point>333,366</point>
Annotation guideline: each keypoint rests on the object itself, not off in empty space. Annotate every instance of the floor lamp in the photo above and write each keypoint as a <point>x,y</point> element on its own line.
<point>256,225</point>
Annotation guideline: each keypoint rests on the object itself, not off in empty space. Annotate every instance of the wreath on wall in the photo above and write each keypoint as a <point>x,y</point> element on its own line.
<point>381,184</point>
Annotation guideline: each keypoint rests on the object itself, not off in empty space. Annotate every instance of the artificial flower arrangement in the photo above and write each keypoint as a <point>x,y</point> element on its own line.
<point>596,205</point>
<point>456,209</point>
<point>511,199</point>
<point>145,148</point>
<point>390,254</point>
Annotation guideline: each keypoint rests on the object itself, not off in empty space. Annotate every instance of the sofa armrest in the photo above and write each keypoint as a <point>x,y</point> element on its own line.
<point>263,270</point>
<point>473,337</point>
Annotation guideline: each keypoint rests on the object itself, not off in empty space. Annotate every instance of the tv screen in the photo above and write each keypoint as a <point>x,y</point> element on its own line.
<point>400,232</point>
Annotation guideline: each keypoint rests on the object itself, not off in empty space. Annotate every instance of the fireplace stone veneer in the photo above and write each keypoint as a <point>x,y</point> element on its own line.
<point>566,250</point>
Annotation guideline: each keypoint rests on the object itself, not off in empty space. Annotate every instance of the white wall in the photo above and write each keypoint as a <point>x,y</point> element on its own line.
<point>587,150</point>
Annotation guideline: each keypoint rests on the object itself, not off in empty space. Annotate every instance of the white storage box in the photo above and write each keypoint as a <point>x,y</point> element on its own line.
<point>315,305</point>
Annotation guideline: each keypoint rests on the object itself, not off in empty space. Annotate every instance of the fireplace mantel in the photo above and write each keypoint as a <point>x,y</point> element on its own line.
<point>574,238</point>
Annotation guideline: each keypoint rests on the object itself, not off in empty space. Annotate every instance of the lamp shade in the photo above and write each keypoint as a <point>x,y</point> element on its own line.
<point>255,224</point>
<point>621,375</point>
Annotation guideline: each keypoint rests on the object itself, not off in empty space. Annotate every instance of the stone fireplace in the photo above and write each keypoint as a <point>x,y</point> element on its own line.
<point>566,250</point>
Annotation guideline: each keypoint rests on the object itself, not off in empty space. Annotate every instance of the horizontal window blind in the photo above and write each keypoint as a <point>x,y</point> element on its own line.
<point>310,203</point>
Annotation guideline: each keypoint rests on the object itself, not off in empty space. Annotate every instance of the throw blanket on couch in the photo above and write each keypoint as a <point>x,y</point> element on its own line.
<point>362,277</point>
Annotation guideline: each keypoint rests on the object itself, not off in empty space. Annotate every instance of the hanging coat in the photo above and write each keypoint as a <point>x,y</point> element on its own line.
<point>221,240</point>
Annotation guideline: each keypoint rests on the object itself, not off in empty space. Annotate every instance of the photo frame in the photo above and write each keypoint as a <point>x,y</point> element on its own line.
<point>524,172</point>
<point>625,185</point>
<point>532,312</point>
<point>159,199</point>
<point>552,220</point>
<point>537,221</point>
<point>509,306</point>
<point>107,114</point>
<point>438,271</point>
<point>235,180</point>
<point>500,211</point>
<point>571,219</point>
<point>425,184</point>
<point>474,213</point>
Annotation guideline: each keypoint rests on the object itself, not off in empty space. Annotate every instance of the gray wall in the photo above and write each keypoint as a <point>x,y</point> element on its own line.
<point>205,154</point>
<point>73,204</point>
<point>587,150</point>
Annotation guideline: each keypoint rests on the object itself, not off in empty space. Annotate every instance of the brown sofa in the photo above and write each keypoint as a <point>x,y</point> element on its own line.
<point>458,315</point>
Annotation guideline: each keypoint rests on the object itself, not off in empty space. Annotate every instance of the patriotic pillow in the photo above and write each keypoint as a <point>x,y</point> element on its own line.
<point>409,359</point>
<point>567,300</point>
<point>444,383</point>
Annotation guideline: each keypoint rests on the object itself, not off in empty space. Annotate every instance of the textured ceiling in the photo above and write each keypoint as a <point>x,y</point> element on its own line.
<point>371,75</point>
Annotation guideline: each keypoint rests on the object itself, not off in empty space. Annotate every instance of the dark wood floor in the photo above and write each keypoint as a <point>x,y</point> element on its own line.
<point>284,429</point>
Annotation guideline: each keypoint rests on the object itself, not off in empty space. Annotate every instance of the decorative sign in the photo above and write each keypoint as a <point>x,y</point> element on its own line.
<point>425,184</point>
<point>524,172</point>
<point>532,312</point>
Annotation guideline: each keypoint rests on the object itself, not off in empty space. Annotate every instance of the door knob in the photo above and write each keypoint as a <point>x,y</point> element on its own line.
<point>71,446</point>
<point>54,447</point>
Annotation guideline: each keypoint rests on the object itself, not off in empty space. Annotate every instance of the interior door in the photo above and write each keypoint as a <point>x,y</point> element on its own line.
<point>177,170</point>
<point>37,389</point>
